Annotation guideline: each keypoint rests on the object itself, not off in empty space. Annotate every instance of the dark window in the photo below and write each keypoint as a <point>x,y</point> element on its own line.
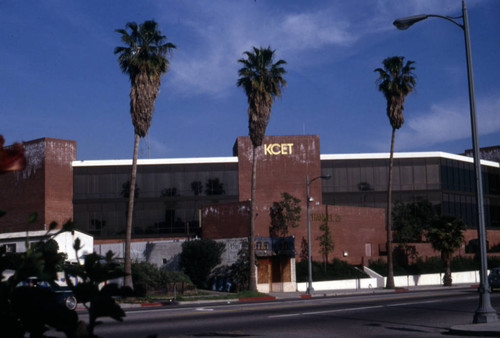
<point>169,198</point>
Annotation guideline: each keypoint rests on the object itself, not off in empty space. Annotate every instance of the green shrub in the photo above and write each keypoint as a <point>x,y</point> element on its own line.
<point>433,265</point>
<point>336,270</point>
<point>380,267</point>
<point>493,262</point>
<point>199,257</point>
<point>149,278</point>
<point>240,270</point>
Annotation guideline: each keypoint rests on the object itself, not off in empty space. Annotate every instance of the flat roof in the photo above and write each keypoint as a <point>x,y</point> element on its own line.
<point>159,161</point>
<point>35,234</point>
<point>234,159</point>
<point>431,154</point>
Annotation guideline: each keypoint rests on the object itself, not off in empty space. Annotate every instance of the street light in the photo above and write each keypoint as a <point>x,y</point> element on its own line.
<point>310,289</point>
<point>485,312</point>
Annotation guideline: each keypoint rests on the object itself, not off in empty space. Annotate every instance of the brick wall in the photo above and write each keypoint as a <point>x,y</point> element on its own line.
<point>228,220</point>
<point>45,186</point>
<point>59,180</point>
<point>283,163</point>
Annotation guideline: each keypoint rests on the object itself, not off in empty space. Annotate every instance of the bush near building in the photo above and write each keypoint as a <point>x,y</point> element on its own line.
<point>336,270</point>
<point>433,265</point>
<point>199,257</point>
<point>150,279</point>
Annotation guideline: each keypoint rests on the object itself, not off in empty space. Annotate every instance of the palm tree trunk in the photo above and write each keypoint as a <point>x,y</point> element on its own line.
<point>130,212</point>
<point>447,281</point>
<point>390,268</point>
<point>252,286</point>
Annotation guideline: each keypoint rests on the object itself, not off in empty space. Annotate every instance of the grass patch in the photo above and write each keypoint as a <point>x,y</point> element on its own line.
<point>210,295</point>
<point>199,295</point>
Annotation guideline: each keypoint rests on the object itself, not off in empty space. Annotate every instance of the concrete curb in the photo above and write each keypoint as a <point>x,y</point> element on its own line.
<point>292,295</point>
<point>477,330</point>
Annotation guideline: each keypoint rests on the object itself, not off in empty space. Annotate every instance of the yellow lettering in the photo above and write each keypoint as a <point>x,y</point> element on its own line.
<point>267,148</point>
<point>326,218</point>
<point>276,152</point>
<point>278,149</point>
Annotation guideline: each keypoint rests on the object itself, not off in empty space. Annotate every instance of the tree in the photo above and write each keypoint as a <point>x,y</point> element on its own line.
<point>214,187</point>
<point>199,257</point>
<point>304,250</point>
<point>326,244</point>
<point>196,187</point>
<point>395,81</point>
<point>144,59</point>
<point>240,270</point>
<point>284,214</point>
<point>411,219</point>
<point>446,236</point>
<point>409,223</point>
<point>262,81</point>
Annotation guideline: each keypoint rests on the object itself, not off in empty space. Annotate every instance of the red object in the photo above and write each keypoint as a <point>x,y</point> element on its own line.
<point>257,298</point>
<point>12,157</point>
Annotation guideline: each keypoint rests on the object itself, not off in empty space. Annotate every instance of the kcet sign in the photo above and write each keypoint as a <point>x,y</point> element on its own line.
<point>278,149</point>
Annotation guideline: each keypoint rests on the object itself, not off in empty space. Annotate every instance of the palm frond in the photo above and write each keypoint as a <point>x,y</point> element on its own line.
<point>145,60</point>
<point>262,81</point>
<point>396,80</point>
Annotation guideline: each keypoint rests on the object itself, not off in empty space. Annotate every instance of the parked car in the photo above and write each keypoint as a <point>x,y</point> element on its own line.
<point>494,278</point>
<point>62,294</point>
<point>39,304</point>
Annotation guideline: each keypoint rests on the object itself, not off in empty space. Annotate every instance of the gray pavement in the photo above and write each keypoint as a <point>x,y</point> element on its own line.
<point>481,330</point>
<point>474,330</point>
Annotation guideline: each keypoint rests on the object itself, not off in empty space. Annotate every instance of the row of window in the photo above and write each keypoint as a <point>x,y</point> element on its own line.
<point>158,181</point>
<point>107,218</point>
<point>372,175</point>
<point>169,196</point>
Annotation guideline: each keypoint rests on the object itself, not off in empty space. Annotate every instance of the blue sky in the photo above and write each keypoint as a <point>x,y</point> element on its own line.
<point>61,79</point>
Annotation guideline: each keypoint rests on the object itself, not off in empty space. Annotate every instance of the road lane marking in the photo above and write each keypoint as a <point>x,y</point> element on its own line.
<point>342,310</point>
<point>415,303</point>
<point>288,315</point>
<point>326,311</point>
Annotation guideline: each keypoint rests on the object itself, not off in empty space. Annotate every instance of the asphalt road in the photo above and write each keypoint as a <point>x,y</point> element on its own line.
<point>410,314</point>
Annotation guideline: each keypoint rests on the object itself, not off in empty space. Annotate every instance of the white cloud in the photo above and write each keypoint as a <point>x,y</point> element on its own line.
<point>449,122</point>
<point>209,64</point>
<point>396,9</point>
<point>313,30</point>
<point>206,62</point>
<point>152,147</point>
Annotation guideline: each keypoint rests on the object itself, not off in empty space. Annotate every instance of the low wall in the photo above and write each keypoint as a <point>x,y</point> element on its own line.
<point>466,277</point>
<point>346,284</point>
<point>435,279</point>
<point>277,287</point>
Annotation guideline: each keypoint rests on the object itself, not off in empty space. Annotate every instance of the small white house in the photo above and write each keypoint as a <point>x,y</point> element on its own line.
<point>16,241</point>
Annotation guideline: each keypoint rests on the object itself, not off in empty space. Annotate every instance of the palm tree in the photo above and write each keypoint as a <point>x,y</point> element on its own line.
<point>395,81</point>
<point>446,236</point>
<point>262,81</point>
<point>144,59</point>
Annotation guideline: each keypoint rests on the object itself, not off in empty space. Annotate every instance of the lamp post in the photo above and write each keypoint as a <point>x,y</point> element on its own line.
<point>310,289</point>
<point>485,312</point>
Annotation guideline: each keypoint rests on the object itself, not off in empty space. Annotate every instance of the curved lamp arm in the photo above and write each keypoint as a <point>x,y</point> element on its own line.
<point>405,23</point>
